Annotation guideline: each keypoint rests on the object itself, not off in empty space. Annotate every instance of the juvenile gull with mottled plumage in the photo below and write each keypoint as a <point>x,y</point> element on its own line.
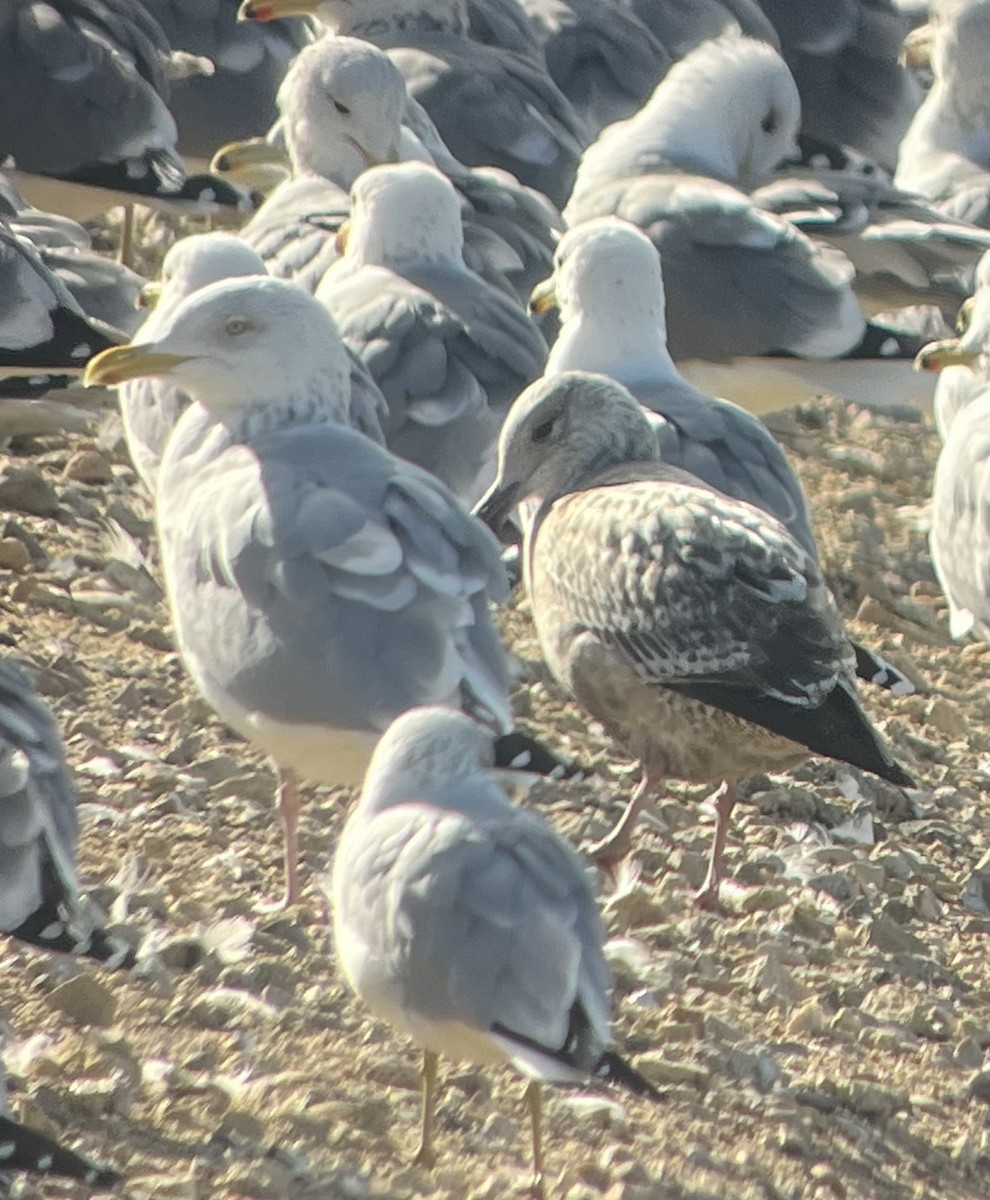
<point>693,626</point>
<point>608,284</point>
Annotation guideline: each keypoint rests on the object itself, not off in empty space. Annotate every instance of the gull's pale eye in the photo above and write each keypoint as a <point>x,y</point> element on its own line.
<point>341,108</point>
<point>235,326</point>
<point>769,122</point>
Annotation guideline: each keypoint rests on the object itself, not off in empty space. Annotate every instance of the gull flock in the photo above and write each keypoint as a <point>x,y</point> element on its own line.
<point>478,260</point>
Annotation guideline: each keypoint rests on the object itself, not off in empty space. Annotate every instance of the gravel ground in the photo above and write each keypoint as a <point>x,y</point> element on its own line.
<point>825,1038</point>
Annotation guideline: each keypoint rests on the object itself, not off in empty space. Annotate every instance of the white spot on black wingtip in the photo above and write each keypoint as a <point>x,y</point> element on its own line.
<point>7,1149</point>
<point>521,761</point>
<point>45,1162</point>
<point>889,347</point>
<point>82,350</point>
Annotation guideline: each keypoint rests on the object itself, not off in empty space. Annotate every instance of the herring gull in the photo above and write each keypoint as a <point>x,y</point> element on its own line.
<point>692,625</point>
<point>493,107</point>
<point>448,351</point>
<point>468,923</point>
<point>318,584</point>
<point>150,406</point>
<point>740,281</point>
<point>42,327</point>
<point>608,284</point>
<point>961,362</point>
<point>40,900</point>
<point>106,290</point>
<point>344,108</point>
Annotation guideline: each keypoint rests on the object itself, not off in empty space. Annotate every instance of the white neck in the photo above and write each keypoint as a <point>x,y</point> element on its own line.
<point>629,350</point>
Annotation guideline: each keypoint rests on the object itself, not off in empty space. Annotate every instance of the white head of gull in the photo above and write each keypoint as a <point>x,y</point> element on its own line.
<point>408,212</point>
<point>319,585</point>
<point>729,110</point>
<point>449,351</point>
<point>150,407</point>
<point>342,102</point>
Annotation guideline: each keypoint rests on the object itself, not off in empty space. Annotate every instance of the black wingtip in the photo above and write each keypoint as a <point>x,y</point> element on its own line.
<point>24,1149</point>
<point>874,669</point>
<point>613,1068</point>
<point>517,751</point>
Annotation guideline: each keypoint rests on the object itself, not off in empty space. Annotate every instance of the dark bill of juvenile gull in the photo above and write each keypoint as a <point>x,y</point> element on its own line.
<point>693,626</point>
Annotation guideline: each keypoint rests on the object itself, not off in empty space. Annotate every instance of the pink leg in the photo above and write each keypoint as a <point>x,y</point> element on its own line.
<point>725,801</point>
<point>614,847</point>
<point>288,811</point>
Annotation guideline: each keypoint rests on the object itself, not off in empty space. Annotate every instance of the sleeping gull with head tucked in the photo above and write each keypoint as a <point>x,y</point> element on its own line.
<point>693,626</point>
<point>467,922</point>
<point>448,351</point>
<point>318,584</point>
<point>740,280</point>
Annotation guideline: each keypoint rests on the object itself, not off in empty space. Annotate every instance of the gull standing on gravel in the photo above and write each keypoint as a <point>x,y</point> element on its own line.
<point>468,923</point>
<point>448,351</point>
<point>608,285</point>
<point>319,586</point>
<point>40,901</point>
<point>692,625</point>
<point>493,107</point>
<point>740,281</point>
